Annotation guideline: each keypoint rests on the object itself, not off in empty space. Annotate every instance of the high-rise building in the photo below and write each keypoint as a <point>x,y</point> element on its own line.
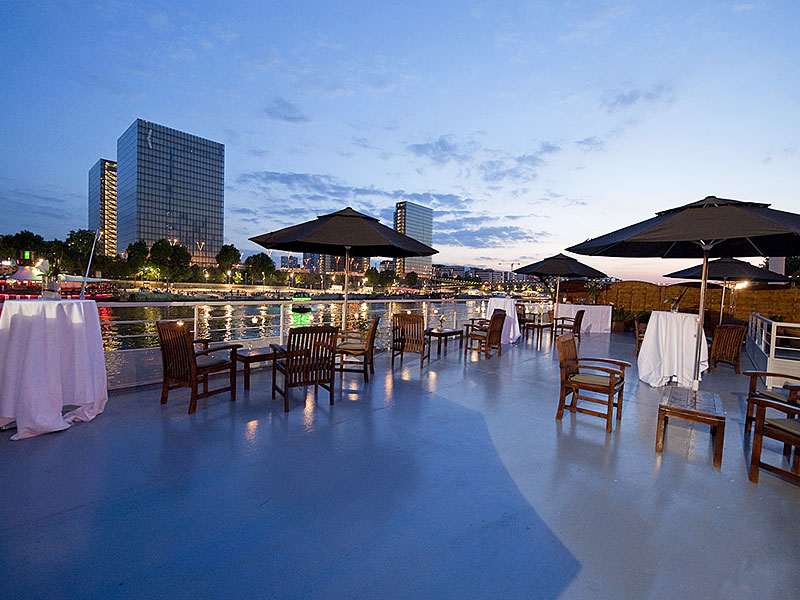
<point>417,222</point>
<point>170,185</point>
<point>335,264</point>
<point>311,262</point>
<point>103,204</point>
<point>289,262</point>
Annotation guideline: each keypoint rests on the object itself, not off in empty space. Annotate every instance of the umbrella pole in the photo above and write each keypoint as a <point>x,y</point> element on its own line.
<point>722,302</point>
<point>558,286</point>
<point>701,338</point>
<point>346,284</point>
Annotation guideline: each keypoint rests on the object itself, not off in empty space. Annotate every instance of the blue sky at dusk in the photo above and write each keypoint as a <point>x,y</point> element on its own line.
<point>526,126</point>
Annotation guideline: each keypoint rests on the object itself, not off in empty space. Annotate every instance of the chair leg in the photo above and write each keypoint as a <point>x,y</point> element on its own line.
<point>233,381</point>
<point>619,405</point>
<point>748,418</point>
<point>610,412</point>
<point>274,375</point>
<point>330,390</point>
<point>164,391</point>
<point>366,370</point>
<point>561,401</point>
<point>193,399</point>
<point>755,458</point>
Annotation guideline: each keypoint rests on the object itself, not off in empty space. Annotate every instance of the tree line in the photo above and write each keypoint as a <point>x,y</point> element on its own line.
<point>160,262</point>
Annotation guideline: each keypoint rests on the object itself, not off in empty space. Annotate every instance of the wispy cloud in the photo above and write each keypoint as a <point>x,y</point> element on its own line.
<point>621,99</point>
<point>497,236</point>
<point>281,109</point>
<point>591,144</point>
<point>517,169</point>
<point>444,150</point>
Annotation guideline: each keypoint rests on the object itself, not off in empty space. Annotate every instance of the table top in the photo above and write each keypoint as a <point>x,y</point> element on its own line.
<point>685,399</point>
<point>445,332</point>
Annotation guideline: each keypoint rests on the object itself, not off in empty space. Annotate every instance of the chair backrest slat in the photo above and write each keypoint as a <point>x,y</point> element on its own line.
<point>311,354</point>
<point>567,355</point>
<point>408,332</point>
<point>177,351</point>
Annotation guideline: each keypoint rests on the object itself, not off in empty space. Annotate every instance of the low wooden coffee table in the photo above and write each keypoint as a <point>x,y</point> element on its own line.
<point>248,356</point>
<point>699,407</point>
<point>443,334</point>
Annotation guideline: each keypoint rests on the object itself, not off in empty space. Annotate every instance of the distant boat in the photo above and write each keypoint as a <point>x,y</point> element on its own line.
<point>301,308</point>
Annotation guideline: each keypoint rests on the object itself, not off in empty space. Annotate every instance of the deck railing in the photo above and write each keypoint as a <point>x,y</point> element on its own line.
<point>774,346</point>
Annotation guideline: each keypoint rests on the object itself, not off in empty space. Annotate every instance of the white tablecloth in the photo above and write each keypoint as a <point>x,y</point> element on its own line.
<point>668,349</point>
<point>510,325</point>
<point>51,356</point>
<point>596,317</point>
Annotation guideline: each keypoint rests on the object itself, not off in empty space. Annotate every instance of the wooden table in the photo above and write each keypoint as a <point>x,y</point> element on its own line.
<point>248,356</point>
<point>699,407</point>
<point>443,334</point>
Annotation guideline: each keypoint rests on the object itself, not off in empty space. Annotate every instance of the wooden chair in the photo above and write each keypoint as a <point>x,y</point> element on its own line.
<point>602,376</point>
<point>185,367</point>
<point>409,335</point>
<point>785,429</point>
<point>355,345</point>
<point>570,324</point>
<point>309,358</point>
<point>486,340</point>
<point>640,329</point>
<point>726,345</point>
<point>789,394</point>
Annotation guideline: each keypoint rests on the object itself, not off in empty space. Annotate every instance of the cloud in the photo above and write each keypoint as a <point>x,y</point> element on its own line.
<point>444,150</point>
<point>620,100</point>
<point>497,236</point>
<point>591,144</point>
<point>280,109</point>
<point>517,169</point>
<point>559,199</point>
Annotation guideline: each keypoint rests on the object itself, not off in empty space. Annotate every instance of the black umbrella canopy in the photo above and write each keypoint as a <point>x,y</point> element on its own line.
<point>729,269</point>
<point>559,265</point>
<point>725,227</point>
<point>341,231</point>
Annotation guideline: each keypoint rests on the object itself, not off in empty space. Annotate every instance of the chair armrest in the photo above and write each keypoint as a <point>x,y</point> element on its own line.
<point>217,349</point>
<point>613,361</point>
<point>565,319</point>
<point>279,350</point>
<point>753,374</point>
<point>611,372</point>
<point>783,407</point>
<point>204,341</point>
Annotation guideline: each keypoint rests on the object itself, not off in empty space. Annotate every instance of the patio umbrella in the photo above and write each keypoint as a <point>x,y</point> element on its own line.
<point>728,269</point>
<point>712,227</point>
<point>560,266</point>
<point>344,233</point>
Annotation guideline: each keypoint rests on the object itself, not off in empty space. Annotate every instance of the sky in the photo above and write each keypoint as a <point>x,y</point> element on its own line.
<point>526,126</point>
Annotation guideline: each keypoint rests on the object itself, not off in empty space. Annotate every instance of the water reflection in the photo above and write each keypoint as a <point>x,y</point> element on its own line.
<point>132,327</point>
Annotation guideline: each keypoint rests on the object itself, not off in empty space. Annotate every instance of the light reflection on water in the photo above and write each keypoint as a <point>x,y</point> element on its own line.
<point>132,327</point>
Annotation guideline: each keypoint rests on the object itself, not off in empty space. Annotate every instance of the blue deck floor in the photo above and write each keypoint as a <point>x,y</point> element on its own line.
<point>453,481</point>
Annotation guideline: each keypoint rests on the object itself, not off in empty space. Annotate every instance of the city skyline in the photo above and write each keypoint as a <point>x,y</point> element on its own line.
<point>526,128</point>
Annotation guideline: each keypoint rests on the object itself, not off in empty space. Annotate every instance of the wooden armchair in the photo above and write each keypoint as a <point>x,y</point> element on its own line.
<point>479,323</point>
<point>785,429</point>
<point>726,345</point>
<point>309,358</point>
<point>355,345</point>
<point>790,393</point>
<point>573,325</point>
<point>185,367</point>
<point>600,376</point>
<point>640,329</point>
<point>488,339</point>
<point>409,335</point>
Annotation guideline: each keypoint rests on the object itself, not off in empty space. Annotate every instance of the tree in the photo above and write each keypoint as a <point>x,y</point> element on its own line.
<point>387,278</point>
<point>258,264</point>
<point>373,277</point>
<point>792,265</point>
<point>412,279</point>
<point>179,260</point>
<point>228,256</point>
<point>78,248</point>
<point>137,253</point>
<point>160,254</point>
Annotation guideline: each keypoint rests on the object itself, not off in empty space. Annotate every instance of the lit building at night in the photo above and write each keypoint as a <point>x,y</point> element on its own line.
<point>103,204</point>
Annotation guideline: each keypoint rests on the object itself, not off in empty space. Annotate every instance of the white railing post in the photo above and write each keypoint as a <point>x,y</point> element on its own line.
<point>196,312</point>
<point>282,337</point>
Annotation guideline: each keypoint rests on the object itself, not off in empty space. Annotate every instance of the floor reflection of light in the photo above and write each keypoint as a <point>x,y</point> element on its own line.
<point>389,385</point>
<point>252,430</point>
<point>309,414</point>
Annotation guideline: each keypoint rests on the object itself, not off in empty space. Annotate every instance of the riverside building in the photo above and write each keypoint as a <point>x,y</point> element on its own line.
<point>103,204</point>
<point>170,185</point>
<point>417,222</point>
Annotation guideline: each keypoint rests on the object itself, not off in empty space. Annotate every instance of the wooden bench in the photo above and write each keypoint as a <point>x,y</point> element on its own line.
<point>248,356</point>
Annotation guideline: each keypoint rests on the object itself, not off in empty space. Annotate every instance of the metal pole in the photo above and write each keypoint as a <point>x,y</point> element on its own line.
<point>89,265</point>
<point>346,282</point>
<point>722,302</point>
<point>701,338</point>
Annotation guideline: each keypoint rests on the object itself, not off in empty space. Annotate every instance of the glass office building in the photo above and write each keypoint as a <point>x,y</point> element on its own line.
<point>417,222</point>
<point>170,185</point>
<point>103,204</point>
